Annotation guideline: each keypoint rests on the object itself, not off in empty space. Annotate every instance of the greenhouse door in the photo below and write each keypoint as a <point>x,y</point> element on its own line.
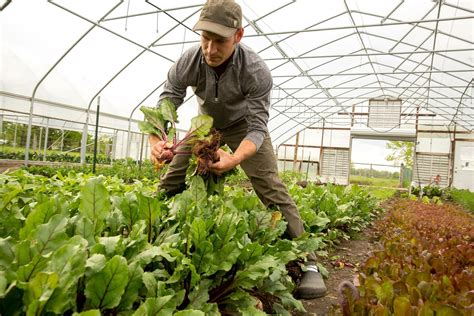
<point>463,177</point>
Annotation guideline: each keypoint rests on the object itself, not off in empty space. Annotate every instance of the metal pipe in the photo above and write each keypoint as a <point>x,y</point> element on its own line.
<point>363,44</point>
<point>30,121</point>
<point>418,47</point>
<point>354,87</point>
<point>372,54</point>
<point>96,138</point>
<point>391,12</point>
<point>420,26</point>
<point>378,73</point>
<point>134,59</point>
<point>363,26</point>
<point>152,12</point>
<point>434,47</point>
<point>411,29</point>
<point>46,134</point>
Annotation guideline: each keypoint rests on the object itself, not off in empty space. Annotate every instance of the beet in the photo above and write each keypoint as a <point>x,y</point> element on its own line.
<point>205,151</point>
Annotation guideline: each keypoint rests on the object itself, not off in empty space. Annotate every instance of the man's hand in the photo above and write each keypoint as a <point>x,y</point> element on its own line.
<point>160,150</point>
<point>228,161</point>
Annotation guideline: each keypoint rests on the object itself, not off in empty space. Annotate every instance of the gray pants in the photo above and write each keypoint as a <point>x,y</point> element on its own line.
<point>261,169</point>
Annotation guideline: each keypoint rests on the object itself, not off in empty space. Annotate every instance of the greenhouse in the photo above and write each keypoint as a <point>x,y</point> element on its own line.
<point>370,101</point>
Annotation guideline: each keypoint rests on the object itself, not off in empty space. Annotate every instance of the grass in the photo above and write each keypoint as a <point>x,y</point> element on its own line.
<point>464,198</point>
<point>361,180</point>
<point>380,193</point>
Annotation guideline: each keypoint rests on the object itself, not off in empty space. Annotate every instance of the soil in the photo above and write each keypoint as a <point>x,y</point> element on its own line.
<point>342,264</point>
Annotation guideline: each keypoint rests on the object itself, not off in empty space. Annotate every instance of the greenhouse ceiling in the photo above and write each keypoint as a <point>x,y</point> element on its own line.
<point>328,58</point>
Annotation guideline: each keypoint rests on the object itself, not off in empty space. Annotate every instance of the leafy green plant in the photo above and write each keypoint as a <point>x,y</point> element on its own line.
<point>463,197</point>
<point>334,211</point>
<point>53,157</point>
<point>425,266</point>
<point>94,244</point>
<point>161,122</point>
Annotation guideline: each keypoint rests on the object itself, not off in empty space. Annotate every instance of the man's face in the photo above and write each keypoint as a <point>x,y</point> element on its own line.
<point>218,49</point>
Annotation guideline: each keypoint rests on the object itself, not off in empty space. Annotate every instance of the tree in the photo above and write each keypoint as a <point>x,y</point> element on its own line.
<point>402,152</point>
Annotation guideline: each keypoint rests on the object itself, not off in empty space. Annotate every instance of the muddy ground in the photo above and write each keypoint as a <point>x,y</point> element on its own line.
<point>343,265</point>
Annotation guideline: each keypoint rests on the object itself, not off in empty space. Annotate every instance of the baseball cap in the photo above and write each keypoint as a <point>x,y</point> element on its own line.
<point>222,17</point>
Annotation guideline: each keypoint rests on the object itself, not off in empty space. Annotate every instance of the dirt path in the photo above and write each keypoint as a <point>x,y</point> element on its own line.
<point>342,264</point>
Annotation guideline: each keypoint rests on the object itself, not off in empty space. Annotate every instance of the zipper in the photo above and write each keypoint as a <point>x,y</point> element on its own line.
<point>216,96</point>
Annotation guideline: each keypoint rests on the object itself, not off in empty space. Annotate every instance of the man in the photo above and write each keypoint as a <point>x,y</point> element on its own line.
<point>232,84</point>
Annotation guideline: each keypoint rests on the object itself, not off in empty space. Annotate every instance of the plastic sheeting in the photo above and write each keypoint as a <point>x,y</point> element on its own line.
<point>328,59</point>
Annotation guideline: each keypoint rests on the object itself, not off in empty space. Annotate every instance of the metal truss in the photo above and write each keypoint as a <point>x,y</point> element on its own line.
<point>412,74</point>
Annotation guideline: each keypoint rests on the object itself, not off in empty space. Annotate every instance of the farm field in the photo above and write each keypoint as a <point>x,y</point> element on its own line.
<point>64,237</point>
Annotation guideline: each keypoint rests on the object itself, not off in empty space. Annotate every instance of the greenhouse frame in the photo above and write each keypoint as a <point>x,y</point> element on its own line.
<point>342,70</point>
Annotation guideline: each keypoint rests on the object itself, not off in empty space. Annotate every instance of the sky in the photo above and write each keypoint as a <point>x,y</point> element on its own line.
<point>377,150</point>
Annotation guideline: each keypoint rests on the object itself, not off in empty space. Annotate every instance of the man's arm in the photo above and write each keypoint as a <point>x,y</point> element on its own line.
<point>229,161</point>
<point>174,89</point>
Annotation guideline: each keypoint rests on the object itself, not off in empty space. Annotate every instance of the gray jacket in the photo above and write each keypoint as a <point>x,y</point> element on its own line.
<point>241,92</point>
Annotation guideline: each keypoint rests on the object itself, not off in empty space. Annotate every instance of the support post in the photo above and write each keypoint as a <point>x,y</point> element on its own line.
<point>96,135</point>
<point>114,145</point>
<point>84,140</point>
<point>14,136</point>
<point>142,138</point>
<point>46,134</point>
<point>295,155</point>
<point>62,140</point>
<point>40,139</point>
<point>1,127</point>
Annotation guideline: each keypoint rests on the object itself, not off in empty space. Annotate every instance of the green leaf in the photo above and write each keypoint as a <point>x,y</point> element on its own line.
<point>148,128</point>
<point>112,245</point>
<point>251,252</point>
<point>197,189</point>
<point>198,231</point>
<point>401,306</point>
<point>39,290</point>
<point>138,240</point>
<point>201,125</point>
<point>189,312</point>
<point>168,110</point>
<point>41,214</point>
<point>202,258</point>
<point>95,263</point>
<point>225,229</point>
<point>9,196</point>
<point>129,207</point>
<point>7,253</point>
<point>151,284</point>
<point>90,312</point>
<point>253,272</point>
<point>3,284</point>
<point>199,294</point>
<point>225,257</point>
<point>95,203</point>
<point>245,303</point>
<point>386,293</point>
<point>69,263</point>
<point>84,227</point>
<point>149,255</point>
<point>157,306</point>
<point>153,116</point>
<point>447,310</point>
<point>104,289</point>
<point>49,236</point>
<point>149,209</point>
<point>426,310</point>
<point>135,274</point>
<point>27,271</point>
